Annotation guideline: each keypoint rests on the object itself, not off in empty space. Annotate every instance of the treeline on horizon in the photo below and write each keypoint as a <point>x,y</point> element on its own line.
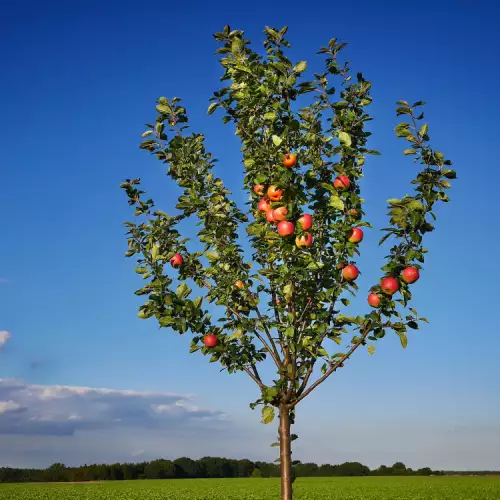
<point>207,467</point>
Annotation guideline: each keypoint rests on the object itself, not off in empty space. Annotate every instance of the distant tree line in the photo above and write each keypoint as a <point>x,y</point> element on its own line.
<point>207,467</point>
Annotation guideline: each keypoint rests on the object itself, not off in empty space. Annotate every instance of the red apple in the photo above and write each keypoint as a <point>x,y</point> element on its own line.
<point>177,260</point>
<point>389,285</point>
<point>350,272</point>
<point>342,182</point>
<point>410,275</point>
<point>286,228</point>
<point>306,221</point>
<point>280,213</point>
<point>263,205</point>
<point>210,340</point>
<point>270,217</point>
<point>259,189</point>
<point>355,235</point>
<point>304,240</point>
<point>274,193</point>
<point>374,300</point>
<point>239,284</point>
<point>289,160</point>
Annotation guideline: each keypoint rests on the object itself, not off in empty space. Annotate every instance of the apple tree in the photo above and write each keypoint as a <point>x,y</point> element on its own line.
<point>304,147</point>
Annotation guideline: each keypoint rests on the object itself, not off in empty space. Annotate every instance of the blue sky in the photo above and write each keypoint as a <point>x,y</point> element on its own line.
<point>80,79</point>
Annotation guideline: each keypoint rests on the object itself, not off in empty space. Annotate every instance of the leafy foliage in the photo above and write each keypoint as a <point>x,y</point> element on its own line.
<point>285,304</point>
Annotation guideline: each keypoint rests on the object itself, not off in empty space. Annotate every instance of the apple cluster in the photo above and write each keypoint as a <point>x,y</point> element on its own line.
<point>355,235</point>
<point>277,216</point>
<point>390,285</point>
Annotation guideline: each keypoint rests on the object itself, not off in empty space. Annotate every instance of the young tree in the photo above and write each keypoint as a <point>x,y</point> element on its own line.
<point>304,224</point>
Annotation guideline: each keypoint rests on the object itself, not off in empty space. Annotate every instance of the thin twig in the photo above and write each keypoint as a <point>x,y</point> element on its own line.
<point>255,377</point>
<point>274,352</point>
<point>334,366</point>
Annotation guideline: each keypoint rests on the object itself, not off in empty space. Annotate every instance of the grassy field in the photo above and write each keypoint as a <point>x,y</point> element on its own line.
<point>369,488</point>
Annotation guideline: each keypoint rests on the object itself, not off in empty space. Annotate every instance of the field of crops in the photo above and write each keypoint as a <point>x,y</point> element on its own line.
<point>369,488</point>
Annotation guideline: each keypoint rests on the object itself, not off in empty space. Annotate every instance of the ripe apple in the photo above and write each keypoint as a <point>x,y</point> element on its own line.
<point>177,260</point>
<point>410,275</point>
<point>289,160</point>
<point>210,340</point>
<point>350,272</point>
<point>304,240</point>
<point>280,213</point>
<point>239,284</point>
<point>259,189</point>
<point>270,217</point>
<point>286,228</point>
<point>274,193</point>
<point>389,285</point>
<point>306,221</point>
<point>374,300</point>
<point>354,214</point>
<point>355,235</point>
<point>342,182</point>
<point>263,205</point>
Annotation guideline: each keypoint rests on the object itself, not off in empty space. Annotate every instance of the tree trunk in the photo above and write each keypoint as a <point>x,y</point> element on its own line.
<point>285,453</point>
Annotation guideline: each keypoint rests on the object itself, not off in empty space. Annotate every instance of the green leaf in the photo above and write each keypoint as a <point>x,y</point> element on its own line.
<point>148,132</point>
<point>267,414</point>
<point>260,179</point>
<point>449,174</point>
<point>423,130</point>
<point>183,291</point>
<point>212,256</point>
<point>236,46</point>
<point>155,252</point>
<point>212,108</point>
<point>371,349</point>
<point>166,321</point>
<point>288,290</point>
<point>275,444</point>
<point>300,67</point>
<point>164,109</point>
<point>403,338</point>
<point>277,140</point>
<point>336,203</point>
<point>236,335</point>
<point>345,138</point>
<point>395,202</point>
<point>270,393</point>
<point>409,151</point>
<point>270,116</point>
<point>141,270</point>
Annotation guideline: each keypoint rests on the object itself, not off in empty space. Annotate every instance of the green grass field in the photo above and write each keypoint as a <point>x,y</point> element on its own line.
<point>369,488</point>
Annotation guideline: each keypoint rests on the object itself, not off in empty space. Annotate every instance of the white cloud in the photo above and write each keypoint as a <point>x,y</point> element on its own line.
<point>4,336</point>
<point>6,406</point>
<point>63,410</point>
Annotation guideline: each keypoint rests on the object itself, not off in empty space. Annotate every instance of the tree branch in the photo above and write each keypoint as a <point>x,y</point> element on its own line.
<point>255,376</point>
<point>334,366</point>
<point>274,352</point>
